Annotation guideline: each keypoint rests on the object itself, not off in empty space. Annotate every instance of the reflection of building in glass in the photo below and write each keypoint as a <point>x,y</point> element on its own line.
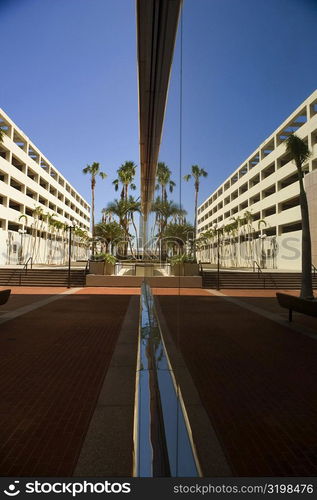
<point>265,185</point>
<point>36,203</point>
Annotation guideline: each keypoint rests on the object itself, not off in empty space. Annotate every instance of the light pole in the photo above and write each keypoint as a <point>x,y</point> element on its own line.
<point>21,232</point>
<point>72,226</point>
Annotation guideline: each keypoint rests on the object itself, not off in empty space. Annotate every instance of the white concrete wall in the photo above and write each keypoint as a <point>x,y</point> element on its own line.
<point>280,252</point>
<point>42,250</point>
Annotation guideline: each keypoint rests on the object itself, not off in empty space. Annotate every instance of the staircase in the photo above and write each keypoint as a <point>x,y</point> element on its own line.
<point>254,280</point>
<point>42,277</point>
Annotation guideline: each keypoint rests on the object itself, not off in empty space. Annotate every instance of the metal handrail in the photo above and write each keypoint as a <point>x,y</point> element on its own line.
<point>260,272</point>
<point>263,275</point>
<point>87,267</point>
<point>20,271</point>
<point>25,268</point>
<point>256,265</point>
<point>30,259</point>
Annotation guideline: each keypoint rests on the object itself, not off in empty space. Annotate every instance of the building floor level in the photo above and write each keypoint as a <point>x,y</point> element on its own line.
<point>37,204</point>
<point>258,205</point>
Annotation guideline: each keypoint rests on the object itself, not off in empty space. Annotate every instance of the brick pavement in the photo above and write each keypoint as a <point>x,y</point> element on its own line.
<point>266,299</point>
<point>53,362</point>
<point>23,296</point>
<point>257,381</point>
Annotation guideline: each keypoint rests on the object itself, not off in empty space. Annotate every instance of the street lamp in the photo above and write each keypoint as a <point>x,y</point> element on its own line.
<point>70,227</point>
<point>21,232</point>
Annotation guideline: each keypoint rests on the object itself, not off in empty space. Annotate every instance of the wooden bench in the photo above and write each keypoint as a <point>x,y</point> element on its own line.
<point>297,304</point>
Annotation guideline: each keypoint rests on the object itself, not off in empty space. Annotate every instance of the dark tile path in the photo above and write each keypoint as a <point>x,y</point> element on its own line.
<point>53,363</point>
<point>257,381</point>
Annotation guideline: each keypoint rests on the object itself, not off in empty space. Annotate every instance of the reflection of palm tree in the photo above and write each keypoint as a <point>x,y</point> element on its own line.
<point>206,238</point>
<point>163,176</point>
<point>299,152</point>
<point>24,217</point>
<point>124,210</point>
<point>178,234</point>
<point>36,214</point>
<point>248,223</point>
<point>165,210</point>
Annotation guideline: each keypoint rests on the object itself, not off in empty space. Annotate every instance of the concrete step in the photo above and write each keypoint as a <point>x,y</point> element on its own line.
<point>245,280</point>
<point>41,277</point>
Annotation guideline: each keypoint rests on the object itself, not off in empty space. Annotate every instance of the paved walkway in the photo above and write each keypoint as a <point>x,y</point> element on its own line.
<point>53,363</point>
<point>256,379</point>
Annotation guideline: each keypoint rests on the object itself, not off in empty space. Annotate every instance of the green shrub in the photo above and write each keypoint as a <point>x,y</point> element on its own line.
<point>109,259</point>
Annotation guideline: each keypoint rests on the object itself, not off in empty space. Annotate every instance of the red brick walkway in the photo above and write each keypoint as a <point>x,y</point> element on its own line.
<point>257,381</point>
<point>53,362</point>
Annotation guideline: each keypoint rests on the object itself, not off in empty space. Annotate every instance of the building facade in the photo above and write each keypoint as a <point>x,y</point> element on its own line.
<point>256,209</point>
<point>37,204</point>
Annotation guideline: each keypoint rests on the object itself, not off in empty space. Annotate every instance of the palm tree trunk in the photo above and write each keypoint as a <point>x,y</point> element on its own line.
<point>306,285</point>
<point>93,217</point>
<point>136,235</point>
<point>195,220</point>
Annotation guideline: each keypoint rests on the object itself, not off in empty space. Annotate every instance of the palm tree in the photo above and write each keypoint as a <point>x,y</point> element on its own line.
<point>247,224</point>
<point>178,235</point>
<point>163,176</point>
<point>124,210</point>
<point>93,170</point>
<point>126,174</point>
<point>109,232</point>
<point>205,240</point>
<point>164,210</point>
<point>299,152</point>
<point>1,135</point>
<point>196,174</point>
<point>37,214</point>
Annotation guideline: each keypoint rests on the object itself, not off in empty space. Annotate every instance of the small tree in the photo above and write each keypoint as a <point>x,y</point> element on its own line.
<point>299,152</point>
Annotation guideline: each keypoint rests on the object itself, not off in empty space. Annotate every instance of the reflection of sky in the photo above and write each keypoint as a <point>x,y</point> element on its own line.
<point>180,454</point>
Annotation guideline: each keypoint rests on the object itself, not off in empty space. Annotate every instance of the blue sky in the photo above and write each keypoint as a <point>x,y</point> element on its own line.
<point>69,80</point>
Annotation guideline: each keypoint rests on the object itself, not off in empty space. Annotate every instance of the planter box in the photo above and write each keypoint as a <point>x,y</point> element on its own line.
<point>96,267</point>
<point>109,269</point>
<point>191,269</point>
<point>177,269</point>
